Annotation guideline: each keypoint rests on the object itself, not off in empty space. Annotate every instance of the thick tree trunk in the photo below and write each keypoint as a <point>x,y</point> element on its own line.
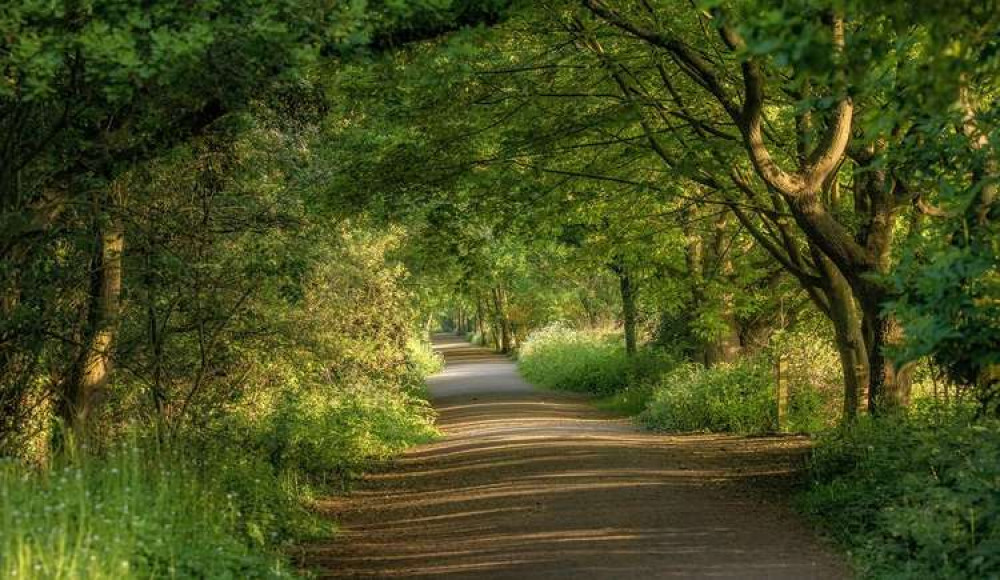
<point>91,370</point>
<point>724,348</point>
<point>849,339</point>
<point>888,387</point>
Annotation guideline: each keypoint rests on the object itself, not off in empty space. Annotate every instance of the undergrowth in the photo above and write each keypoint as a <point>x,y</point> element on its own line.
<point>739,397</point>
<point>670,396</point>
<point>914,495</point>
<point>222,501</point>
<point>137,513</point>
<point>581,361</point>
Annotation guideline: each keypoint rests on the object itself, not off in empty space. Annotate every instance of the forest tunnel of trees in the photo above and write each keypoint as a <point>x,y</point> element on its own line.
<point>227,228</point>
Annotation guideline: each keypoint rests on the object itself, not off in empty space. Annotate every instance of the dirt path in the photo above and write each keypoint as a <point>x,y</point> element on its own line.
<point>531,484</point>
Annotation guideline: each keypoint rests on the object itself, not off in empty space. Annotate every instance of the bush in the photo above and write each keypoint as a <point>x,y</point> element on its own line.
<point>422,358</point>
<point>561,358</point>
<point>914,496</point>
<point>220,508</point>
<point>737,398</point>
<point>329,438</point>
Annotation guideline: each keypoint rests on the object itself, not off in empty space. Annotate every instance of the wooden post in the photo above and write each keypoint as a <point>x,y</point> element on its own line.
<point>781,391</point>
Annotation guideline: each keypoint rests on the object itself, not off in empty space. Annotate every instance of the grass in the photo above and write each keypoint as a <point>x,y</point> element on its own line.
<point>132,514</point>
<point>224,501</point>
<point>628,402</point>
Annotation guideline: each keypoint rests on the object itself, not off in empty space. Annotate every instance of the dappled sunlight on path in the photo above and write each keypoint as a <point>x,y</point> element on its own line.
<point>532,484</point>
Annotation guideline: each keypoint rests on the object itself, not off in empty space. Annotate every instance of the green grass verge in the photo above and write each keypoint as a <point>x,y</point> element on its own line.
<point>222,502</point>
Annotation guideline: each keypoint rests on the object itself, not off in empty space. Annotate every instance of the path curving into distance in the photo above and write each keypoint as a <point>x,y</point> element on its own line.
<point>535,484</point>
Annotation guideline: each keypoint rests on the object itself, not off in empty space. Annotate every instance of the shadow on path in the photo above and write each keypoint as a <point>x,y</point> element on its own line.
<point>533,484</point>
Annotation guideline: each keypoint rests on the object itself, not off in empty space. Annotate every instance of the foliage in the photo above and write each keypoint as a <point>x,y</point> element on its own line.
<point>912,496</point>
<point>218,502</point>
<point>302,186</point>
<point>272,359</point>
<point>741,397</point>
<point>425,360</point>
<point>135,514</point>
<point>557,357</point>
<point>949,300</point>
<point>732,397</point>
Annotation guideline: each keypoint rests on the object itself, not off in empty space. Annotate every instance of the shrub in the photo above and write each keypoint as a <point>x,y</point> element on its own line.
<point>330,437</point>
<point>912,496</point>
<point>422,358</point>
<point>219,501</point>
<point>738,397</point>
<point>219,506</point>
<point>557,357</point>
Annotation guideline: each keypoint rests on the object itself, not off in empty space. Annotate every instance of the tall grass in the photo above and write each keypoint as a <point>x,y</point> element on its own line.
<point>221,502</point>
<point>133,514</point>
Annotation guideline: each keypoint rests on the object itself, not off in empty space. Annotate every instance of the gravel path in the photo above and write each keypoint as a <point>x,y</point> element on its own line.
<point>533,484</point>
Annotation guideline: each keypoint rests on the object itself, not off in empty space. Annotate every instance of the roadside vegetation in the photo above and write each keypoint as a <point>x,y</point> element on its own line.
<point>912,496</point>
<point>227,228</point>
<point>227,488</point>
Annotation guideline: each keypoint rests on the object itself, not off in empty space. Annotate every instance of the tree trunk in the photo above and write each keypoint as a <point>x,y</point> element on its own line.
<point>628,312</point>
<point>888,387</point>
<point>91,370</point>
<point>693,257</point>
<point>627,289</point>
<point>502,323</point>
<point>849,339</point>
<point>725,347</point>
<point>480,320</point>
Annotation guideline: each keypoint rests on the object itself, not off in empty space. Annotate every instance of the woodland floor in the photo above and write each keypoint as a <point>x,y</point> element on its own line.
<point>535,484</point>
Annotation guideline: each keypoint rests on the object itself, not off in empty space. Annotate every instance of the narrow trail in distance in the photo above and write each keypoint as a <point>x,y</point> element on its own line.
<point>536,484</point>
